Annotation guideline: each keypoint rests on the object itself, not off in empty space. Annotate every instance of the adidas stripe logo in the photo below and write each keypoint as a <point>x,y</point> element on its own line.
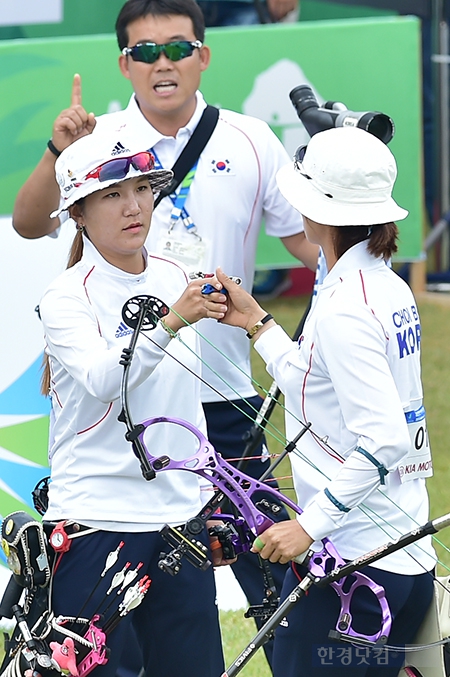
<point>123,330</point>
<point>119,149</point>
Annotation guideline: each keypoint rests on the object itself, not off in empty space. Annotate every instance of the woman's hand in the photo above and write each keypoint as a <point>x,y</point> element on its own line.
<point>193,305</point>
<point>243,310</point>
<point>282,542</point>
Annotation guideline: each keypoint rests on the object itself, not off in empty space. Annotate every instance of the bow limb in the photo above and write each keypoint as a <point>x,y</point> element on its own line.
<point>137,312</point>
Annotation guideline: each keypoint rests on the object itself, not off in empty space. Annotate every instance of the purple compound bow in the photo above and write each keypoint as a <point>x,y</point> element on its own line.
<point>142,313</point>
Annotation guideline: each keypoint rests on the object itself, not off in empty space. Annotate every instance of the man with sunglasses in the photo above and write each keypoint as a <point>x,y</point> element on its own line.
<point>214,220</point>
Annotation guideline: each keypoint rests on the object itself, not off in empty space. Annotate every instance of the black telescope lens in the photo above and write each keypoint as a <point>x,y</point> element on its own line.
<point>302,97</point>
<point>378,124</point>
<point>335,114</point>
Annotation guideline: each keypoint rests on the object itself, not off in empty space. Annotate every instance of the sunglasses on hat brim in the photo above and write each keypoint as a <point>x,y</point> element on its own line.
<point>118,169</point>
<point>299,156</point>
<point>149,52</point>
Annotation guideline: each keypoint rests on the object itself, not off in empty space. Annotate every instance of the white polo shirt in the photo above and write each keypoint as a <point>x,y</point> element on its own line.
<point>233,191</point>
<point>354,374</point>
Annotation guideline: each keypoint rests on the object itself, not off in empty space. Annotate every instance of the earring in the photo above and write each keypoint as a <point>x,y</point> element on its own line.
<point>80,227</point>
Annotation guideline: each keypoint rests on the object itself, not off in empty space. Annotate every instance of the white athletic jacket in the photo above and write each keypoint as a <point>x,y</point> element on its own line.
<point>355,375</point>
<point>96,479</point>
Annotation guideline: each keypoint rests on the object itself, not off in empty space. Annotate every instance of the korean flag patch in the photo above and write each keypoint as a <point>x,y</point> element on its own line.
<point>220,167</point>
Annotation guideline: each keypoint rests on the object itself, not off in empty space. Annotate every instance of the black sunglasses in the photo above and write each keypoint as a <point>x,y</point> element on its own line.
<point>149,52</point>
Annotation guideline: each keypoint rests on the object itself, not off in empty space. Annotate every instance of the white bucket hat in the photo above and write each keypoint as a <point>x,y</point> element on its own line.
<point>99,160</point>
<point>345,178</point>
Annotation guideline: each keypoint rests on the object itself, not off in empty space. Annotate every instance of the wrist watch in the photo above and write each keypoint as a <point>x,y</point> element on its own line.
<point>251,332</point>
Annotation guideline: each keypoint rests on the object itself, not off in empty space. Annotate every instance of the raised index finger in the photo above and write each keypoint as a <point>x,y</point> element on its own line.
<point>76,90</point>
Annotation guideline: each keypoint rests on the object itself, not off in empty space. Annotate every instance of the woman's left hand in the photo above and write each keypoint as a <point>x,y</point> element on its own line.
<point>282,542</point>
<point>243,310</point>
<point>193,305</point>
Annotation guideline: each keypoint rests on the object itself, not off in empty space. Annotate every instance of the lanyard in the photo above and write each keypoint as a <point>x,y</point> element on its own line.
<point>179,200</point>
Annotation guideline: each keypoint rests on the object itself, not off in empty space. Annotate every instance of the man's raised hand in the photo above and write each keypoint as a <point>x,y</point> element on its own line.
<point>74,122</point>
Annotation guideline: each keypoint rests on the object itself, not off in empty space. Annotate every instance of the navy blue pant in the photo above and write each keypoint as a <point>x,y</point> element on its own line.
<point>302,647</point>
<point>227,427</point>
<point>176,625</point>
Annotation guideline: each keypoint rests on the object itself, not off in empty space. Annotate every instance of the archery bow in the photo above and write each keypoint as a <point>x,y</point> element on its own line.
<point>238,487</point>
<point>322,440</point>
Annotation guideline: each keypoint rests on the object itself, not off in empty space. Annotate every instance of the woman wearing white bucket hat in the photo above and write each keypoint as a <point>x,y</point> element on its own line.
<point>355,375</point>
<point>97,489</point>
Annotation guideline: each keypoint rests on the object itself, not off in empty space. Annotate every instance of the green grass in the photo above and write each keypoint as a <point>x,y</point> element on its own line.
<point>237,632</point>
<point>435,320</point>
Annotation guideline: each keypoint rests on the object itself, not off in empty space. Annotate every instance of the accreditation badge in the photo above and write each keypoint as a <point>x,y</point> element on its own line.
<point>187,248</point>
<point>418,462</point>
